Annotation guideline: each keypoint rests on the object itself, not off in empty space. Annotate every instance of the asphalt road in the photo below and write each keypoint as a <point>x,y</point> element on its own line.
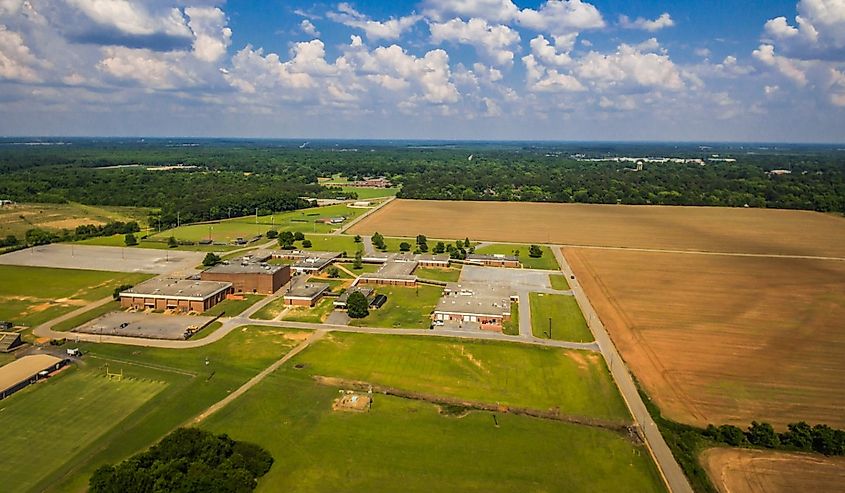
<point>672,473</point>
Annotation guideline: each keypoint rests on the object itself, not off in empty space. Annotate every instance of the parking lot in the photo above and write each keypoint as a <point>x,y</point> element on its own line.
<point>516,279</point>
<point>144,325</point>
<point>114,259</point>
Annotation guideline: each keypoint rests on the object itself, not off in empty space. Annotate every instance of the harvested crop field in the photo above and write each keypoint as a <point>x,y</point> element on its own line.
<point>18,218</point>
<point>725,339</point>
<point>759,471</point>
<point>714,229</point>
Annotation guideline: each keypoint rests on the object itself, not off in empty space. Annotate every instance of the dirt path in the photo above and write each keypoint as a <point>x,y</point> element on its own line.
<point>672,473</point>
<point>252,382</point>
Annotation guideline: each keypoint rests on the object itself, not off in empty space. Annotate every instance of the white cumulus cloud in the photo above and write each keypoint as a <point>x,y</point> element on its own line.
<point>493,41</point>
<point>389,29</point>
<point>664,21</point>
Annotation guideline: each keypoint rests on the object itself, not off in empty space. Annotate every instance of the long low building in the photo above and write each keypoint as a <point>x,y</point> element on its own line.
<point>469,304</point>
<point>182,295</point>
<point>249,277</point>
<point>306,293</point>
<point>24,371</point>
<point>394,273</point>
<point>493,260</point>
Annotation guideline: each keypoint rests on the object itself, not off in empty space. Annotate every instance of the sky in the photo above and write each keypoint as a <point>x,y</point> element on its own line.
<point>683,70</point>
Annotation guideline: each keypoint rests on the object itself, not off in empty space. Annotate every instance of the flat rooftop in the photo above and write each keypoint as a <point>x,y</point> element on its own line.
<point>492,256</point>
<point>475,298</point>
<point>245,268</point>
<point>24,368</point>
<point>307,290</point>
<point>177,289</point>
<point>393,269</point>
<point>428,257</point>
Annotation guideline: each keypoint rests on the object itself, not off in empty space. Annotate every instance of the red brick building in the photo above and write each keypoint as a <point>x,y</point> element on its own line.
<point>182,295</point>
<point>247,277</point>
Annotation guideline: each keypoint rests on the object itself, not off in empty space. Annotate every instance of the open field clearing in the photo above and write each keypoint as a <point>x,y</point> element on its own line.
<point>759,231</point>
<point>34,295</point>
<point>547,261</point>
<point>314,315</point>
<point>17,219</point>
<point>578,383</point>
<point>44,424</point>
<point>451,274</point>
<point>406,308</point>
<point>719,339</point>
<point>230,308</point>
<point>559,282</point>
<point>304,220</point>
<point>332,243</point>
<point>404,445</point>
<point>371,193</point>
<point>567,322</point>
<point>195,378</point>
<point>758,471</point>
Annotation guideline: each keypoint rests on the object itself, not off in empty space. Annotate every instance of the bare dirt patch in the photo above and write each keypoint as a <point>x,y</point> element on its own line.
<point>714,229</point>
<point>296,336</point>
<point>718,339</point>
<point>70,223</point>
<point>760,471</point>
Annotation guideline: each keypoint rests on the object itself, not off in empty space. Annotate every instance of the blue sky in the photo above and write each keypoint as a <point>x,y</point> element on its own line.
<point>455,69</point>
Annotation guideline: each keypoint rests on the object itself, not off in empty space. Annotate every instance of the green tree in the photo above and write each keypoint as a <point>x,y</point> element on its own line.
<point>130,240</point>
<point>358,239</point>
<point>272,234</point>
<point>172,243</point>
<point>211,259</point>
<point>333,272</point>
<point>534,251</point>
<point>762,435</point>
<point>440,247</point>
<point>116,293</point>
<point>358,263</point>
<point>378,241</point>
<point>421,239</point>
<point>357,305</point>
<point>298,236</point>
<point>286,239</point>
<point>404,247</point>
<point>306,244</point>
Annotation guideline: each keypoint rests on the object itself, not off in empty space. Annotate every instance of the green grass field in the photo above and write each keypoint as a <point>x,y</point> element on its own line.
<point>332,243</point>
<point>451,274</point>
<point>196,378</point>
<point>45,423</point>
<point>304,220</point>
<point>406,308</point>
<point>559,282</point>
<point>365,268</point>
<point>547,261</point>
<point>408,446</point>
<point>34,295</point>
<point>568,323</point>
<point>208,330</point>
<point>270,310</point>
<point>78,320</point>
<point>371,193</point>
<point>313,315</point>
<point>234,307</point>
<point>576,382</point>
<point>511,327</point>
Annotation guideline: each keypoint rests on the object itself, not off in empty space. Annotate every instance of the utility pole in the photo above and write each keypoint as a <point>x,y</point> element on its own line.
<point>178,219</point>
<point>256,215</point>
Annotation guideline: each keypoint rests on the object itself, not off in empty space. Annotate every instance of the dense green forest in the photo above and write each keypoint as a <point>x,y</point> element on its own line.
<point>234,178</point>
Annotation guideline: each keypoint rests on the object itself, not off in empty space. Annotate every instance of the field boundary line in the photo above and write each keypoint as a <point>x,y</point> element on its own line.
<point>704,252</point>
<point>252,382</point>
<point>360,218</point>
<point>146,365</point>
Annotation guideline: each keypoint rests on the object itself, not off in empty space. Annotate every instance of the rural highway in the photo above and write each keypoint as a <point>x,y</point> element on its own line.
<point>672,473</point>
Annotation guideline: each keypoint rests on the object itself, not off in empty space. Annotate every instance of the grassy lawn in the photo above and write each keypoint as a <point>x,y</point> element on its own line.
<point>447,275</point>
<point>559,282</point>
<point>568,323</point>
<point>195,379</point>
<point>332,243</point>
<point>334,284</point>
<point>233,307</point>
<point>576,382</point>
<point>46,423</point>
<point>270,310</point>
<point>314,315</point>
<point>511,327</point>
<point>118,241</point>
<point>34,295</point>
<point>207,331</point>
<point>406,308</point>
<point>547,261</point>
<point>74,322</point>
<point>408,446</point>
<point>365,268</point>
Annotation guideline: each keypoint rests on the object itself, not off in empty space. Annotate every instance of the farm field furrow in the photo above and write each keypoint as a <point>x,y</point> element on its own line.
<point>761,471</point>
<point>718,339</point>
<point>714,229</point>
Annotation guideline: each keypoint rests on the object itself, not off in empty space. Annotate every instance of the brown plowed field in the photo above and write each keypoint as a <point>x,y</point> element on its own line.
<point>759,471</point>
<point>714,229</point>
<point>722,339</point>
